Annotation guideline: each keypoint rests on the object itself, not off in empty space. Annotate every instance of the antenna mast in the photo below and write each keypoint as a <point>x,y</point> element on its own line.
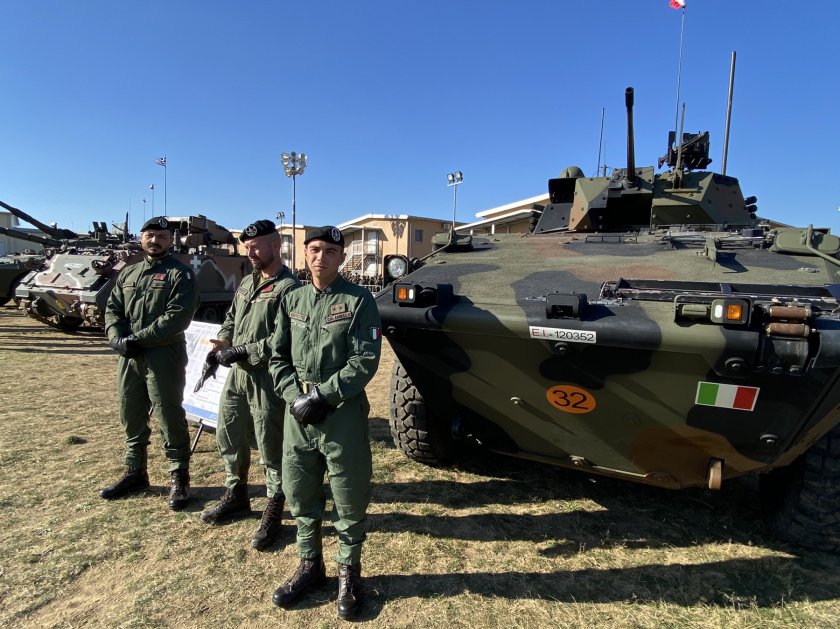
<point>728,113</point>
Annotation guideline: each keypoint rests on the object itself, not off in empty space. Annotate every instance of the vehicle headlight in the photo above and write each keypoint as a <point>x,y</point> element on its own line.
<point>397,267</point>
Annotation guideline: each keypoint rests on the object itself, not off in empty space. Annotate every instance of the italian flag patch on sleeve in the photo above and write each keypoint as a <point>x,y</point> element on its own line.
<point>726,396</point>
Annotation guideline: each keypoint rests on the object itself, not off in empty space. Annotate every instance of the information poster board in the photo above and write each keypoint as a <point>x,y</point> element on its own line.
<point>203,407</point>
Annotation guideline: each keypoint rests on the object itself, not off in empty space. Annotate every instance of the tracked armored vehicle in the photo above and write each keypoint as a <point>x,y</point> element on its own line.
<point>79,273</point>
<point>650,327</point>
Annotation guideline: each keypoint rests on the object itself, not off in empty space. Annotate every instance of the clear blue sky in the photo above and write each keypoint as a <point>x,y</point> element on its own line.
<point>387,96</point>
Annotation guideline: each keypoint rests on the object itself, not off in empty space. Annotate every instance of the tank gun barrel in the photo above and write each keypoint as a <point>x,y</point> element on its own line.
<point>630,176</point>
<point>13,233</point>
<point>55,232</point>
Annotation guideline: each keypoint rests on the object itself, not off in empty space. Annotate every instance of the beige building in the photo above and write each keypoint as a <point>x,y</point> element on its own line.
<point>513,218</point>
<point>368,239</point>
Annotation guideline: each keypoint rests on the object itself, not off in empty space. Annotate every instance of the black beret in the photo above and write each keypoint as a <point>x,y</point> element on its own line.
<point>327,233</point>
<point>158,223</point>
<point>256,229</point>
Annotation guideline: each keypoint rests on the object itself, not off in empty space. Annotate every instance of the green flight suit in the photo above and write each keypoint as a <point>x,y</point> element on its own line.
<point>248,404</point>
<point>331,339</point>
<point>154,300</point>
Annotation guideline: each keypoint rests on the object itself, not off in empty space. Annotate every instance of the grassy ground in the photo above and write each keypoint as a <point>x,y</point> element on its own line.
<point>492,543</point>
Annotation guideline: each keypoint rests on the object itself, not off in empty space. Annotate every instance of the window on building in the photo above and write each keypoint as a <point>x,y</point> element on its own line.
<point>418,235</point>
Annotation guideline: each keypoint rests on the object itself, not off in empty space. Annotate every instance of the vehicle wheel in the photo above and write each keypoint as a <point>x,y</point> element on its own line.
<point>210,314</point>
<point>801,502</point>
<point>418,432</point>
<point>69,324</point>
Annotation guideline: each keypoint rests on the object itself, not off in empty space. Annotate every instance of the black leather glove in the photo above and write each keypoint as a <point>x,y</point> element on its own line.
<point>309,408</point>
<point>125,346</point>
<point>230,355</point>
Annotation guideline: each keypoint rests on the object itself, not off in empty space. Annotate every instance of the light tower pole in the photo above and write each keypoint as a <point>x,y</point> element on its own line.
<point>294,164</point>
<point>454,180</point>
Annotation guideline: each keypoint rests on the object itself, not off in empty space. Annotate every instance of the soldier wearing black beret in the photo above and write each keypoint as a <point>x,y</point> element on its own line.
<point>249,405</point>
<point>151,306</point>
<point>324,352</point>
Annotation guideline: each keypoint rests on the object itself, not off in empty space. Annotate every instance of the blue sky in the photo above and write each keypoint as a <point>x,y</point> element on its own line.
<point>386,97</point>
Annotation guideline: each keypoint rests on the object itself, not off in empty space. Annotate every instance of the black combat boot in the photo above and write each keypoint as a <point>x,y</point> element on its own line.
<point>235,503</point>
<point>310,573</point>
<point>270,523</point>
<point>349,591</point>
<point>179,491</point>
<point>135,479</point>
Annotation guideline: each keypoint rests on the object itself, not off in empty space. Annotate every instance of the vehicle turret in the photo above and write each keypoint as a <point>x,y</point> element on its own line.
<point>638,198</point>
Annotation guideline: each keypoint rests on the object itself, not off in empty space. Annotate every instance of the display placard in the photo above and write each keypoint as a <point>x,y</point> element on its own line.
<point>203,407</point>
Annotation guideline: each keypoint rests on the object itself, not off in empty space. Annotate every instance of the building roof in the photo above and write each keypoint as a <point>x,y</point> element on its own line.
<point>354,223</point>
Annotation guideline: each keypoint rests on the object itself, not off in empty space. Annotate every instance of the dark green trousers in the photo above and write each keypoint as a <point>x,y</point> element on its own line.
<point>154,382</point>
<point>249,408</point>
<point>339,447</point>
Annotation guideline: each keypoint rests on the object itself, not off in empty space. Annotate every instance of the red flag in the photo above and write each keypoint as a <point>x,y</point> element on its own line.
<point>677,4</point>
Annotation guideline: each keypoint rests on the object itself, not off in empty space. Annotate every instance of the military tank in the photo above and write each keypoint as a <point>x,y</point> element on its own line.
<point>649,327</point>
<point>72,289</point>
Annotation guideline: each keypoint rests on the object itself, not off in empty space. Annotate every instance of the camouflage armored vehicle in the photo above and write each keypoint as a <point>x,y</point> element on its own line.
<point>13,268</point>
<point>80,271</point>
<point>648,328</point>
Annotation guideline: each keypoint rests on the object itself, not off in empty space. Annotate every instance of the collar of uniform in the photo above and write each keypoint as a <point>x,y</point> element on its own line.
<point>329,289</point>
<point>150,262</point>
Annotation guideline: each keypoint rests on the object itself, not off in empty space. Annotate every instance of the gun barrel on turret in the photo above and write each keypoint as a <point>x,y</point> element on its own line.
<point>41,240</point>
<point>54,232</point>
<point>630,175</point>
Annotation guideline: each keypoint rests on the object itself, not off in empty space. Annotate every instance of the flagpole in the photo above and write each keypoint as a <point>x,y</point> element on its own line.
<point>679,79</point>
<point>165,212</point>
<point>161,161</point>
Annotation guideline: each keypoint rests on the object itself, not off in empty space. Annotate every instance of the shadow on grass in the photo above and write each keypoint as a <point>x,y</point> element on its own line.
<point>735,584</point>
<point>624,514</point>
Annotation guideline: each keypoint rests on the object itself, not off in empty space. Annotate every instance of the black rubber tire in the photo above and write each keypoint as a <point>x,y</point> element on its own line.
<point>801,503</point>
<point>420,434</point>
<point>210,314</point>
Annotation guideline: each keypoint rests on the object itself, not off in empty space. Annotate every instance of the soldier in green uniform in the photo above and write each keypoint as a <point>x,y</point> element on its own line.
<point>249,405</point>
<point>152,303</point>
<point>325,350</point>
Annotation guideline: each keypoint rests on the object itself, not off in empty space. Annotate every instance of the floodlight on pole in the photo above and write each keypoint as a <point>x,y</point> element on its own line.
<point>454,180</point>
<point>293,164</point>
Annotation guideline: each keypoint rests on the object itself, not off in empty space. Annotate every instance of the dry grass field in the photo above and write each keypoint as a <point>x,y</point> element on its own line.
<point>491,543</point>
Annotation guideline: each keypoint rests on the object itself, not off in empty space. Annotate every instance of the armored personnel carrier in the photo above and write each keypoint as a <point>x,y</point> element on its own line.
<point>79,273</point>
<point>650,327</point>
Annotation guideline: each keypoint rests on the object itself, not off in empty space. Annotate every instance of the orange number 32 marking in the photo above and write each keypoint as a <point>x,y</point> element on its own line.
<point>570,399</point>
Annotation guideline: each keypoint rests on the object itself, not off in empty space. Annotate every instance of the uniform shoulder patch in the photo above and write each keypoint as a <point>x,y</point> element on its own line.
<point>375,332</point>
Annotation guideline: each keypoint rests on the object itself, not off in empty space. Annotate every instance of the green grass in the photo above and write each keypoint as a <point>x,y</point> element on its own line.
<point>490,543</point>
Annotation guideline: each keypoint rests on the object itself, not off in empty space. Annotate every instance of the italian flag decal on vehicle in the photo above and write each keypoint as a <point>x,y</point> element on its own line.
<point>726,396</point>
